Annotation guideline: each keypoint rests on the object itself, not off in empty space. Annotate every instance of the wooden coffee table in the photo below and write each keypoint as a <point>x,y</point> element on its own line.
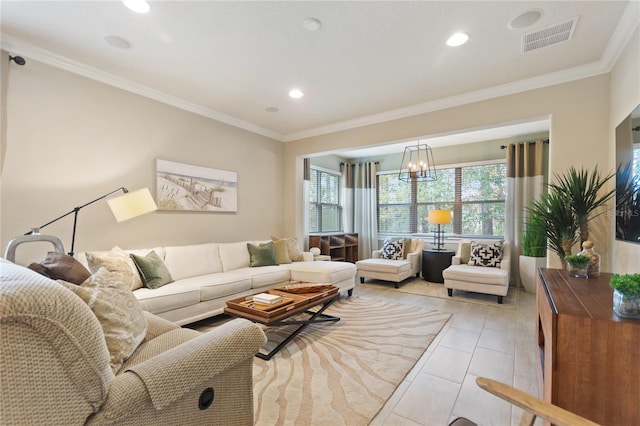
<point>280,314</point>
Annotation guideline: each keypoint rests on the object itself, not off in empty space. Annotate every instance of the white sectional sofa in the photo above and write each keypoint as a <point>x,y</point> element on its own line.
<point>207,275</point>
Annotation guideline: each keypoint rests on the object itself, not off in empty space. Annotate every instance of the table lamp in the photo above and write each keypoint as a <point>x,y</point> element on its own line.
<point>439,217</point>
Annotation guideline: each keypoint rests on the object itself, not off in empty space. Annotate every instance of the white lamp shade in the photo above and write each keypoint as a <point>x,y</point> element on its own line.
<point>439,217</point>
<point>132,204</point>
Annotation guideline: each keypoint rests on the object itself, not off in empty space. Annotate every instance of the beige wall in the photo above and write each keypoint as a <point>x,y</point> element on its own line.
<point>579,115</point>
<point>625,96</point>
<point>72,139</point>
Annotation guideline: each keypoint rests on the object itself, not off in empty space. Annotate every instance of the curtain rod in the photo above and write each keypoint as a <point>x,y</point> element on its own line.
<point>361,163</point>
<point>546,141</point>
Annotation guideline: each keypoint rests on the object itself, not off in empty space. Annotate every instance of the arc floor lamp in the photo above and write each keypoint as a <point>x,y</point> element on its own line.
<point>124,207</point>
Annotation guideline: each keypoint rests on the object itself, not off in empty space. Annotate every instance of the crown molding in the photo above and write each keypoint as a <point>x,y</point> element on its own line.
<point>552,79</point>
<point>10,43</point>
<point>627,25</point>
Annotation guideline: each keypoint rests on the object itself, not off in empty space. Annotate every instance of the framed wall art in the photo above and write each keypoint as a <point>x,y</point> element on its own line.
<point>183,187</point>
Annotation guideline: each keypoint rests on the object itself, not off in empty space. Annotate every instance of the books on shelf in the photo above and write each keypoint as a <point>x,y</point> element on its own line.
<point>267,299</point>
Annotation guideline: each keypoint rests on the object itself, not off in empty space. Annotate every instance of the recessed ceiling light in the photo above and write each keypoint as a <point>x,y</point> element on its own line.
<point>311,24</point>
<point>458,39</point>
<point>296,93</point>
<point>117,41</point>
<point>525,19</point>
<point>138,6</point>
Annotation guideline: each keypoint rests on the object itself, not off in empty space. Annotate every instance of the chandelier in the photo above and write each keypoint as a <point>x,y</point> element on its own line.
<point>417,164</point>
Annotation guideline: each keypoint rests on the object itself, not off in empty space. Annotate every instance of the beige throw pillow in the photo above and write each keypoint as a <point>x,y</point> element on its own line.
<point>295,255</point>
<point>118,311</point>
<point>118,262</point>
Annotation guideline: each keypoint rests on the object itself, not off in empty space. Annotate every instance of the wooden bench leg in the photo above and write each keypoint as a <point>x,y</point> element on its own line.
<point>500,300</point>
<point>350,292</point>
<point>361,280</point>
<point>450,292</point>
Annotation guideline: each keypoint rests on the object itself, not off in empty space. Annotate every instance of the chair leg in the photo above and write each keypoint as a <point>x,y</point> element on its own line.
<point>350,292</point>
<point>450,292</point>
<point>500,300</point>
<point>361,280</point>
<point>397,285</point>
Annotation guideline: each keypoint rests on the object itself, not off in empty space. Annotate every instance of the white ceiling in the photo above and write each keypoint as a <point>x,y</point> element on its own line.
<point>369,62</point>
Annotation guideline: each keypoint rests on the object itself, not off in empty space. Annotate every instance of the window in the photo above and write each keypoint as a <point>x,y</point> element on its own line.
<point>325,211</point>
<point>475,194</point>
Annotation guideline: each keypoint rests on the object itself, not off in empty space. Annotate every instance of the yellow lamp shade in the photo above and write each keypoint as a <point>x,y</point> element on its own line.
<point>132,204</point>
<point>439,217</point>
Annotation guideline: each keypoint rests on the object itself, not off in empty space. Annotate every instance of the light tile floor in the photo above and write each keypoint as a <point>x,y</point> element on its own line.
<point>479,340</point>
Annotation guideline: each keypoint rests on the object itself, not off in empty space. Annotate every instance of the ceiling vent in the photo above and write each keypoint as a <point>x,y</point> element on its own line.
<point>553,34</point>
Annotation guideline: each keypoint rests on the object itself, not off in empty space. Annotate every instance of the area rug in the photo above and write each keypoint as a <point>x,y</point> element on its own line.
<point>421,287</point>
<point>342,373</point>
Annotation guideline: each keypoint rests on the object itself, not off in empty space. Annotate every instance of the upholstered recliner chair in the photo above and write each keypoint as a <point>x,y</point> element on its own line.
<point>488,274</point>
<point>56,368</point>
<point>394,270</point>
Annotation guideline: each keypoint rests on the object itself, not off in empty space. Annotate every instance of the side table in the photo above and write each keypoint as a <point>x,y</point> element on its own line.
<point>434,262</point>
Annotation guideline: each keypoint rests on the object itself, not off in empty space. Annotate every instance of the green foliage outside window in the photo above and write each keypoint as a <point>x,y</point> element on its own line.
<point>475,194</point>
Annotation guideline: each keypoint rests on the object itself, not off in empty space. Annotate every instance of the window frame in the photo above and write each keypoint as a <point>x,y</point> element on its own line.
<point>456,204</point>
<point>319,204</point>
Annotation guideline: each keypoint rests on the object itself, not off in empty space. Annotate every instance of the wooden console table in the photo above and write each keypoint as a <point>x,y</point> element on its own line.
<point>589,357</point>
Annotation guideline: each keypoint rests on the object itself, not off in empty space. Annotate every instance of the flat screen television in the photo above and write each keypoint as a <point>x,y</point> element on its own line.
<point>628,178</point>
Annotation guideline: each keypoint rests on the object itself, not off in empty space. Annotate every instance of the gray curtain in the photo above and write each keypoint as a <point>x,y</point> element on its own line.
<point>359,205</point>
<point>525,183</point>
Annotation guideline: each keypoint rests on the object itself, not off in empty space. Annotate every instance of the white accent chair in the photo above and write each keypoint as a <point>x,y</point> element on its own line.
<point>392,270</point>
<point>478,279</point>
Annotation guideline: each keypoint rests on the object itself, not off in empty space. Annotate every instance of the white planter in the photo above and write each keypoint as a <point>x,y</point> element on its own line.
<point>528,271</point>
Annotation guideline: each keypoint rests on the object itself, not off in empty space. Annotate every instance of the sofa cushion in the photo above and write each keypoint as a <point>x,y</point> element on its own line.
<point>268,275</point>
<point>119,313</point>
<point>234,255</point>
<point>168,297</point>
<point>192,260</point>
<point>229,284</point>
<point>262,255</point>
<point>322,272</point>
<point>476,274</point>
<point>118,262</point>
<point>384,265</point>
<point>486,254</point>
<point>152,270</point>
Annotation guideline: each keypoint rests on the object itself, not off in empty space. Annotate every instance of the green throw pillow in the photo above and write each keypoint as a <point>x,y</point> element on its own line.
<point>153,271</point>
<point>262,255</point>
<point>465,252</point>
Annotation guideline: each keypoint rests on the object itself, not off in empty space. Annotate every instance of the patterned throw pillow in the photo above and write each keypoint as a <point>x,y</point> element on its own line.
<point>486,254</point>
<point>392,250</point>
<point>295,255</point>
<point>118,262</point>
<point>118,311</point>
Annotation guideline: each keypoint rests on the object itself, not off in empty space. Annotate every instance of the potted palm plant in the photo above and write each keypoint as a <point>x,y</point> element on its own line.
<point>534,251</point>
<point>570,204</point>
<point>626,295</point>
<point>586,194</point>
<point>558,221</point>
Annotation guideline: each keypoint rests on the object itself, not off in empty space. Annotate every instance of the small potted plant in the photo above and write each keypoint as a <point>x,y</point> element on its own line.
<point>577,265</point>
<point>626,295</point>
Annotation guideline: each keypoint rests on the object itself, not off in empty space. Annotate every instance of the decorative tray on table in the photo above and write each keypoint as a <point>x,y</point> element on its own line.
<point>301,288</point>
